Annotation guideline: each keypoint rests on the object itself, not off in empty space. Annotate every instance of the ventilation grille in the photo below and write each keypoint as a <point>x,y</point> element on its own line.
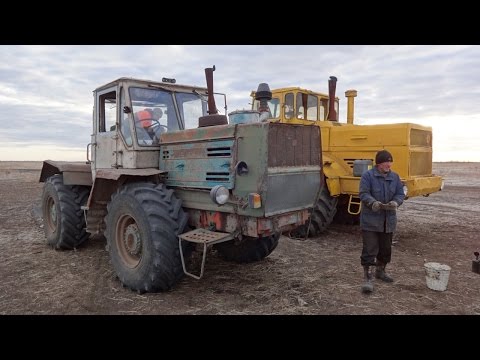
<point>290,145</point>
<point>420,137</point>
<point>217,176</point>
<point>219,151</point>
<point>349,162</point>
<point>201,164</point>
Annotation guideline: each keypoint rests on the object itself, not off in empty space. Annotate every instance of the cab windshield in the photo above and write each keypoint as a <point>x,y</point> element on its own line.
<point>154,112</point>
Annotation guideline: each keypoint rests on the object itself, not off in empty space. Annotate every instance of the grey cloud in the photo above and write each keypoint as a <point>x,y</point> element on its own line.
<point>50,87</point>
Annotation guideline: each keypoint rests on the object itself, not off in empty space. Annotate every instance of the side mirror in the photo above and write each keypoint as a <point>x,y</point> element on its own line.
<point>127,110</point>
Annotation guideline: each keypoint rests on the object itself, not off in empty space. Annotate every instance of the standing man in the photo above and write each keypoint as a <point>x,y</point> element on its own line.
<point>381,193</point>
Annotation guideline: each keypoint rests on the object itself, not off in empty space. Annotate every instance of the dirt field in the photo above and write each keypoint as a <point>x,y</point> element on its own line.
<point>316,276</point>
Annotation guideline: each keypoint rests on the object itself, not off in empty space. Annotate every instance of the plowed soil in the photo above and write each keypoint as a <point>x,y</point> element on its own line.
<point>320,275</point>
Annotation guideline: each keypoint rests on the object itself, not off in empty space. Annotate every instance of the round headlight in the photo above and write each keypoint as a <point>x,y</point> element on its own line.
<point>219,194</point>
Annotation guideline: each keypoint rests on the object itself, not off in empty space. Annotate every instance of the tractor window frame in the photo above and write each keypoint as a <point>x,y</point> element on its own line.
<point>124,120</point>
<point>308,101</point>
<point>107,114</point>
<point>312,107</point>
<point>289,107</point>
<point>323,108</point>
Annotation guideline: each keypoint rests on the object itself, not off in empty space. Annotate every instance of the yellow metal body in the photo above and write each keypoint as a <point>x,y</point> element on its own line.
<point>342,143</point>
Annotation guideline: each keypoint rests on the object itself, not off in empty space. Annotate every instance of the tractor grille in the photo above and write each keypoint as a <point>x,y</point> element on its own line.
<point>219,151</point>
<point>294,164</point>
<point>420,137</point>
<point>290,145</point>
<point>198,164</point>
<point>349,162</point>
<point>420,163</point>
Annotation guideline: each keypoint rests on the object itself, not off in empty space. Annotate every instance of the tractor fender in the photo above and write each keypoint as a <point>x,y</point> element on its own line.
<point>74,173</point>
<point>107,181</point>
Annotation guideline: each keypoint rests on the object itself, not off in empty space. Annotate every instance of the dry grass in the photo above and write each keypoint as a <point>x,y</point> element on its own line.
<point>315,276</point>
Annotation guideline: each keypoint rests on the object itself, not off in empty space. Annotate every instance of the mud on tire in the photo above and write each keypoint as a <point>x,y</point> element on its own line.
<point>142,225</point>
<point>248,250</point>
<point>63,218</point>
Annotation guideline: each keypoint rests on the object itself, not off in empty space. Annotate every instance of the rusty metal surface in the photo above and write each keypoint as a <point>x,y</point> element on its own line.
<point>281,223</point>
<point>293,145</point>
<point>212,108</point>
<point>248,226</point>
<point>204,236</point>
<point>200,134</point>
<point>287,191</point>
<point>96,219</point>
<point>51,167</point>
<point>332,86</point>
<point>294,168</point>
<point>80,166</point>
<point>200,164</point>
<point>101,191</point>
<point>77,178</point>
<point>114,174</point>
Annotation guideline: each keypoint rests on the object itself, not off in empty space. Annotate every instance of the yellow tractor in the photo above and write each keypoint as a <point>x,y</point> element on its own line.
<point>349,149</point>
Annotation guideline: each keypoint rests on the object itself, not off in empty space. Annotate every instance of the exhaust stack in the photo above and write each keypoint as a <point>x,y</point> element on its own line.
<point>350,95</point>
<point>212,108</point>
<point>332,85</point>
<point>213,118</point>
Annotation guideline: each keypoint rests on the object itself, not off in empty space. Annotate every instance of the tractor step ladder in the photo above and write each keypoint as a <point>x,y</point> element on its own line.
<point>352,202</point>
<point>205,237</point>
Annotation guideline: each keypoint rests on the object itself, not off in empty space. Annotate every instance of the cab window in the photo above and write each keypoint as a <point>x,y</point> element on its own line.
<point>124,120</point>
<point>307,106</point>
<point>107,111</point>
<point>289,106</point>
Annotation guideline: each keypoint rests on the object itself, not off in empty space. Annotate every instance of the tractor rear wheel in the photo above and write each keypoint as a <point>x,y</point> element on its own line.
<point>248,250</point>
<point>142,227</point>
<point>321,216</point>
<point>63,219</point>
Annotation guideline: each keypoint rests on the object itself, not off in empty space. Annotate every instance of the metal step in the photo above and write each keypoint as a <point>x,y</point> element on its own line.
<point>205,237</point>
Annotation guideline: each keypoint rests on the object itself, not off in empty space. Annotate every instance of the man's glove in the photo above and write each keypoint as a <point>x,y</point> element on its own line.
<point>376,206</point>
<point>391,205</point>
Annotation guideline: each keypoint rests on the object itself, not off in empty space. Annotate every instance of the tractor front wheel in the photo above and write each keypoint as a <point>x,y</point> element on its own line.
<point>143,223</point>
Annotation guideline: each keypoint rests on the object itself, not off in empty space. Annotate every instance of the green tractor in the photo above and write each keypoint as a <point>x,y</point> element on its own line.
<point>165,170</point>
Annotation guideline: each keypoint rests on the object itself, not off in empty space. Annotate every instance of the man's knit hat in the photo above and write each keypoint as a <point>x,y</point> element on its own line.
<point>383,156</point>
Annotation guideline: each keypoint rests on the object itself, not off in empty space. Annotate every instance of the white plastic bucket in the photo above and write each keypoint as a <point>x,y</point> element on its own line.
<point>437,275</point>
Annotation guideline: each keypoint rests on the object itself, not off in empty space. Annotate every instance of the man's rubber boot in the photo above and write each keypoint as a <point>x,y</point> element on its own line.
<point>367,288</point>
<point>381,274</point>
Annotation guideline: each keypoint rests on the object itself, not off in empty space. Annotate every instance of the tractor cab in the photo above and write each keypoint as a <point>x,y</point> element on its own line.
<point>130,116</point>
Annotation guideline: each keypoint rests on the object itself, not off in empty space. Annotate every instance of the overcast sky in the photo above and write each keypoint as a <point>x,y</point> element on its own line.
<point>46,91</point>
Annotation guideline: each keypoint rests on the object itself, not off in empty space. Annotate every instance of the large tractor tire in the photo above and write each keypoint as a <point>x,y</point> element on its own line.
<point>142,227</point>
<point>321,216</point>
<point>63,218</point>
<point>343,216</point>
<point>248,250</point>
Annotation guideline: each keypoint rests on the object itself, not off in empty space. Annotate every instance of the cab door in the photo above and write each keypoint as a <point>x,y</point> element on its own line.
<point>105,135</point>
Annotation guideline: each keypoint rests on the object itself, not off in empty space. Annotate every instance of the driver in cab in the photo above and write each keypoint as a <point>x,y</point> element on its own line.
<point>148,126</point>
